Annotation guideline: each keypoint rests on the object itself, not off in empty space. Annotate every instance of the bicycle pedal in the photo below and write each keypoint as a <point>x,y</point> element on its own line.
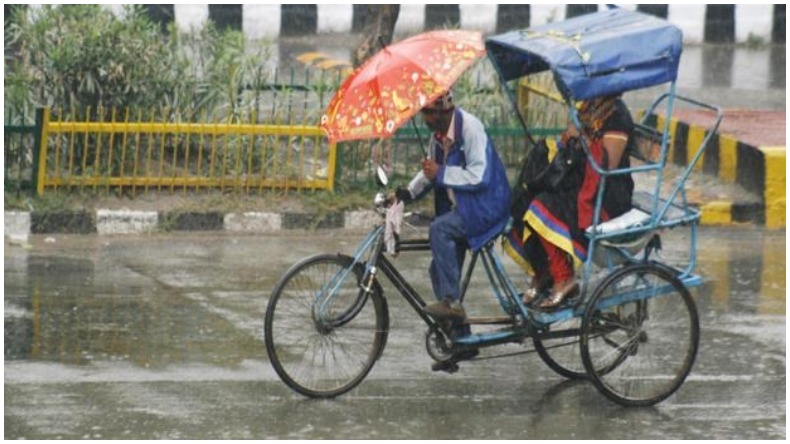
<point>447,366</point>
<point>444,325</point>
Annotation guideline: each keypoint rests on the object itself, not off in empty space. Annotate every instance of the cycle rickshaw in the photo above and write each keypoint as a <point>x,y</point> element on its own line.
<point>633,330</point>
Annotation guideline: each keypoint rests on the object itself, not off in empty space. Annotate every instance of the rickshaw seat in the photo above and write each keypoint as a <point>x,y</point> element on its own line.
<point>634,229</point>
<point>639,216</point>
<point>634,218</point>
<point>674,215</point>
<point>622,233</point>
<point>632,239</point>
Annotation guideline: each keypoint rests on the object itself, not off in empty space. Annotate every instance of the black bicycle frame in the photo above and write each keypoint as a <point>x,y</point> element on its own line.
<point>404,288</point>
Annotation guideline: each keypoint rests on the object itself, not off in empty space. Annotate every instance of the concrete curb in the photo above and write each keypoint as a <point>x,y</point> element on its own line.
<point>758,169</point>
<point>17,226</point>
<point>20,225</point>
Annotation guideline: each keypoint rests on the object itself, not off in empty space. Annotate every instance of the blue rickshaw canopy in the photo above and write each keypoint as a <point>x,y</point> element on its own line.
<point>603,53</point>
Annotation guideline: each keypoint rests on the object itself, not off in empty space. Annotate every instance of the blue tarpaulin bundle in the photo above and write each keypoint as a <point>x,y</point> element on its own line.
<point>603,53</point>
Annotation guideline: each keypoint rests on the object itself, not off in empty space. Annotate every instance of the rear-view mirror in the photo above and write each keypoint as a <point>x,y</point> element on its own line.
<point>381,177</point>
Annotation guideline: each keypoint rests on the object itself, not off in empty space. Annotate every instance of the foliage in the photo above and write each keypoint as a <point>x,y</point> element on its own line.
<point>88,63</point>
<point>77,56</point>
<point>226,65</point>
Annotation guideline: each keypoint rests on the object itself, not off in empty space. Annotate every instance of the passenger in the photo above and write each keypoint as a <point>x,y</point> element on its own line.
<point>549,239</point>
<point>471,199</point>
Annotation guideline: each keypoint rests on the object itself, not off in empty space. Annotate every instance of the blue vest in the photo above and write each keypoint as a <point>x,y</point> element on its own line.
<point>484,208</point>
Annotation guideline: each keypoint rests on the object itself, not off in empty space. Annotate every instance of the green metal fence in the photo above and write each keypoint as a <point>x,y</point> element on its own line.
<point>19,139</point>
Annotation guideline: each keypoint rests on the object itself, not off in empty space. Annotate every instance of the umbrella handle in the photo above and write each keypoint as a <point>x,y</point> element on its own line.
<point>419,138</point>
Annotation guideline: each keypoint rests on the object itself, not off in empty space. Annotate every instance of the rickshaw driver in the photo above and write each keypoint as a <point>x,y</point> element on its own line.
<point>471,200</point>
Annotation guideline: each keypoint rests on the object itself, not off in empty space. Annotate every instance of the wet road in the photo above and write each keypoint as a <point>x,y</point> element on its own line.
<point>160,336</point>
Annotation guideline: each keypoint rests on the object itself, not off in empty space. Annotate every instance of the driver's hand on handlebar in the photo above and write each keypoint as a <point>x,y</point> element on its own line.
<point>402,194</point>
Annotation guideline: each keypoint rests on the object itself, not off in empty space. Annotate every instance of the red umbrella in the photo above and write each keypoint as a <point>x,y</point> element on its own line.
<point>395,83</point>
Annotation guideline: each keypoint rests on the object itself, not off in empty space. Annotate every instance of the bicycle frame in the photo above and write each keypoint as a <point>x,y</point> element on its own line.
<point>370,252</point>
<point>524,322</point>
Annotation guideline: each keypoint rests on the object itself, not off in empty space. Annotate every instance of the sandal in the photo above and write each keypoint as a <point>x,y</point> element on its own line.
<point>560,293</point>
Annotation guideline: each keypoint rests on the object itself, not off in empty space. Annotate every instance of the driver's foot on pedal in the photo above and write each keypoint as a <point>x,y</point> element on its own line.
<point>446,310</point>
<point>451,365</point>
<point>460,331</point>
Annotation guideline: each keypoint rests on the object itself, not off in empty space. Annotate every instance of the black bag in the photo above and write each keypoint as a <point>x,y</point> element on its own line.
<point>535,165</point>
<point>566,170</point>
<point>530,178</point>
<point>537,174</point>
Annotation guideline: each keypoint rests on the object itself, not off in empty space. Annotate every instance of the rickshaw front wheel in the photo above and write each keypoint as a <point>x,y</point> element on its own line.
<point>322,333</point>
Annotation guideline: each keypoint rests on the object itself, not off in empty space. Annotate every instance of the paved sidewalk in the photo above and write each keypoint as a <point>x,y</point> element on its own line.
<point>747,157</point>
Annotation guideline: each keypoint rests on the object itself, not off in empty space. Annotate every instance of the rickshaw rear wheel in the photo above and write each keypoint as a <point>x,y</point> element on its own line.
<point>640,334</point>
<point>562,354</point>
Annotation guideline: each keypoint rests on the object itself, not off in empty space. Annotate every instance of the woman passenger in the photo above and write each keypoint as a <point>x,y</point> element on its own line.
<point>553,241</point>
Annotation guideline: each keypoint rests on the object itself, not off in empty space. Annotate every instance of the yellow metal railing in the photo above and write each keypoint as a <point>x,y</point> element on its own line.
<point>540,102</point>
<point>145,155</point>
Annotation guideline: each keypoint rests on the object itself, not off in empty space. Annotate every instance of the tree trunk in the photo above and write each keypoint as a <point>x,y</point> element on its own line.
<point>379,27</point>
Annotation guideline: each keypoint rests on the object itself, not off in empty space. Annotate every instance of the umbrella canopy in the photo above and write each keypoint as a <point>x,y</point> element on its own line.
<point>397,82</point>
<point>592,55</point>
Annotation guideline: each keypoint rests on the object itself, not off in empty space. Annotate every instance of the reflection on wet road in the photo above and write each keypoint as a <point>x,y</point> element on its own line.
<point>160,336</point>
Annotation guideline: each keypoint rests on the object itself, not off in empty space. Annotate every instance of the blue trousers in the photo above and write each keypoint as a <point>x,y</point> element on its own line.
<point>448,246</point>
